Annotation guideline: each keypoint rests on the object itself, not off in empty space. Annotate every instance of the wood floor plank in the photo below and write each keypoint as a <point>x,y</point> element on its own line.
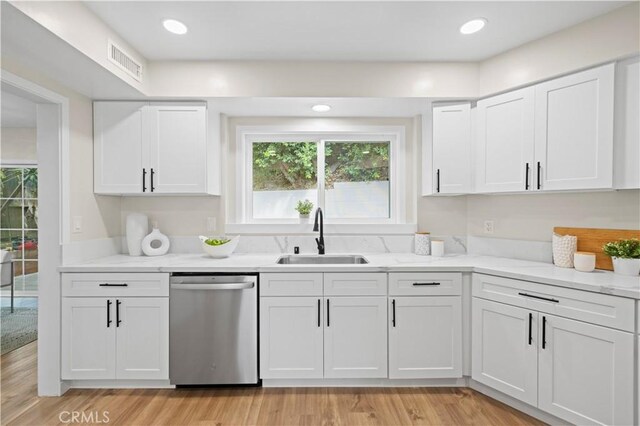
<point>247,405</point>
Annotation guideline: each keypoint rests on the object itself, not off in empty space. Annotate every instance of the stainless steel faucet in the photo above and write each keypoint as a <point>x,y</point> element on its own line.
<point>319,225</point>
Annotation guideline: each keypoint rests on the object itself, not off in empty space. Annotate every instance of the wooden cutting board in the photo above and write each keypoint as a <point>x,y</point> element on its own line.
<point>592,239</point>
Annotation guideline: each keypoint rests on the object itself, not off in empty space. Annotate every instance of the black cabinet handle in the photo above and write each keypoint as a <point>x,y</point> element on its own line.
<point>393,312</point>
<point>113,285</point>
<point>548,299</point>
<point>422,284</point>
<point>144,180</point>
<point>108,313</point>
<point>118,302</point>
<point>438,180</point>
<point>530,328</point>
<point>539,169</point>
<point>152,173</point>
<point>327,312</point>
<point>319,313</point>
<point>544,332</point>
<point>526,177</point>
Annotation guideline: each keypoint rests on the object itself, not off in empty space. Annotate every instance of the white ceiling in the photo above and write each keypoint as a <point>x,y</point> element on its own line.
<point>16,111</point>
<point>339,30</point>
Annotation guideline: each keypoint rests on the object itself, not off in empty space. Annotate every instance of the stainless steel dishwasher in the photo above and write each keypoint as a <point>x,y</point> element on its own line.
<point>213,331</point>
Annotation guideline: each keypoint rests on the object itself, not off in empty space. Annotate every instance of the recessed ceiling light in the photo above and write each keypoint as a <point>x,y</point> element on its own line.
<point>321,108</point>
<point>174,26</point>
<point>473,26</point>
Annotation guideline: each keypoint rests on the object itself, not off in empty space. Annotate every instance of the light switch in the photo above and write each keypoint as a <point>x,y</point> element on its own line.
<point>77,224</point>
<point>488,227</point>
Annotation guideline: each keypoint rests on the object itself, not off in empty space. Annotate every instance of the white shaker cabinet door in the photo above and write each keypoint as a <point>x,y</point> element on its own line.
<point>504,349</point>
<point>178,148</point>
<point>586,372</point>
<point>142,328</point>
<point>119,149</point>
<point>88,338</point>
<point>425,337</point>
<point>504,142</point>
<point>574,131</point>
<point>355,337</point>
<point>291,337</point>
<point>452,148</point>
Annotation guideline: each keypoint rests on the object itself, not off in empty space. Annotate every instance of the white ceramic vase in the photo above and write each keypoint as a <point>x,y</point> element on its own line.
<point>137,228</point>
<point>304,218</point>
<point>626,266</point>
<point>156,243</point>
<point>422,243</point>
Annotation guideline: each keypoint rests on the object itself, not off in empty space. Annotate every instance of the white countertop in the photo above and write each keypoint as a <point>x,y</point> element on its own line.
<point>597,281</point>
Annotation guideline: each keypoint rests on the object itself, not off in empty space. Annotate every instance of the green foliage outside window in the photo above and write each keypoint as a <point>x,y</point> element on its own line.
<point>293,165</point>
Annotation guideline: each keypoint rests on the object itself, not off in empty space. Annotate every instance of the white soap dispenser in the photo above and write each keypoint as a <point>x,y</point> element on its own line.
<point>156,243</point>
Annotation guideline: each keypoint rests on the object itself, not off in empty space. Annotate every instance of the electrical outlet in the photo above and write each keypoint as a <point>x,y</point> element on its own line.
<point>77,224</point>
<point>488,227</point>
<point>211,224</point>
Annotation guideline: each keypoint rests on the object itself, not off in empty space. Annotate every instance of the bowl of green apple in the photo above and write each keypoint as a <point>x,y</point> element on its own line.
<point>220,246</point>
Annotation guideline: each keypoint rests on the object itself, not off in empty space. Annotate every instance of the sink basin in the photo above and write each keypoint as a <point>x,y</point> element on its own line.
<point>342,259</point>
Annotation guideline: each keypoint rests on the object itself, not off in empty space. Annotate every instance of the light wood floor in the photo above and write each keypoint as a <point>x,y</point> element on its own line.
<point>248,406</point>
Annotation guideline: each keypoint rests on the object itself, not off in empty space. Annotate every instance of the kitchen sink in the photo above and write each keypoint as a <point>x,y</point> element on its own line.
<point>342,259</point>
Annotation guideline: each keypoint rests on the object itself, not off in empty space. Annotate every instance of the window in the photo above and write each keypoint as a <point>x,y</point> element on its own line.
<point>351,176</point>
<point>19,222</point>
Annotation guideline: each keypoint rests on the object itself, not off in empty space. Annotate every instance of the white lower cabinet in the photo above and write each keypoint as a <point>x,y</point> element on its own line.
<point>291,336</point>
<point>579,372</point>
<point>504,349</point>
<point>425,337</point>
<point>585,372</point>
<point>115,338</point>
<point>355,337</point>
<point>88,338</point>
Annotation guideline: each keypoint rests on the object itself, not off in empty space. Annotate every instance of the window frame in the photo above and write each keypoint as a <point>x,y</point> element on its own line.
<point>248,135</point>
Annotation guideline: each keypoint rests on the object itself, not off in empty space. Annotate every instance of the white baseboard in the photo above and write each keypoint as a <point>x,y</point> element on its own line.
<point>118,384</point>
<point>372,383</point>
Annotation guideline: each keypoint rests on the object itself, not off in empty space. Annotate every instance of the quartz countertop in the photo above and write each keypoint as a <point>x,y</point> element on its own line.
<point>598,281</point>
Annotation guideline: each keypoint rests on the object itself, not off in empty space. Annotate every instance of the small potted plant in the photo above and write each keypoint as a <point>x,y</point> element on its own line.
<point>304,207</point>
<point>625,255</point>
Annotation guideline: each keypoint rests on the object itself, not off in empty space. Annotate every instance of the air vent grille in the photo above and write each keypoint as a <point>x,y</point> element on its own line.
<point>124,61</point>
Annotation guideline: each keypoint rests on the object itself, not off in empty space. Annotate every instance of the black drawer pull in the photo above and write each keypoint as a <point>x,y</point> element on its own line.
<point>328,313</point>
<point>530,328</point>
<point>108,313</point>
<point>420,284</point>
<point>548,299</point>
<point>526,177</point>
<point>393,309</point>
<point>113,285</point>
<point>544,332</point>
<point>144,180</point>
<point>539,171</point>
<point>319,313</point>
<point>118,321</point>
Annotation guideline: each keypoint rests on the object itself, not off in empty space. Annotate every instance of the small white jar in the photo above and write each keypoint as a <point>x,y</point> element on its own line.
<point>437,248</point>
<point>584,261</point>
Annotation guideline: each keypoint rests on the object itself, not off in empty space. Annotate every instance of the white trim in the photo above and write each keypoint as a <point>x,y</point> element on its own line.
<point>373,383</point>
<point>247,135</point>
<point>329,229</point>
<point>53,191</point>
<point>19,163</point>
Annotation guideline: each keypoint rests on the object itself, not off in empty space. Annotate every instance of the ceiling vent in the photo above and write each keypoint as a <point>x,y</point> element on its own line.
<point>124,61</point>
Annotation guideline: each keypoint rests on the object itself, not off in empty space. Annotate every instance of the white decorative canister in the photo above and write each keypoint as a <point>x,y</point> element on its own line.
<point>564,246</point>
<point>437,248</point>
<point>137,228</point>
<point>584,261</point>
<point>422,242</point>
<point>156,243</point>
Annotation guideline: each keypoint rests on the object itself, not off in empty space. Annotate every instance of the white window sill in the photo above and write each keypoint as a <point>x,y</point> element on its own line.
<point>329,229</point>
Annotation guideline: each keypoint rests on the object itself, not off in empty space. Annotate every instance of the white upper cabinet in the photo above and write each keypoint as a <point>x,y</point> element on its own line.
<point>504,142</point>
<point>452,148</point>
<point>626,144</point>
<point>143,148</point>
<point>178,148</point>
<point>574,131</point>
<point>118,147</point>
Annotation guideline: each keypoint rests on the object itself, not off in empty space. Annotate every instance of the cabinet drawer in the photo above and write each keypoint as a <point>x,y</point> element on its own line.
<point>596,308</point>
<point>291,284</point>
<point>355,284</point>
<point>425,284</point>
<point>115,284</point>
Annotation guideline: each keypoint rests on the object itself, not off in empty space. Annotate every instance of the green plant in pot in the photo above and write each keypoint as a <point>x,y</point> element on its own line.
<point>304,207</point>
<point>625,255</point>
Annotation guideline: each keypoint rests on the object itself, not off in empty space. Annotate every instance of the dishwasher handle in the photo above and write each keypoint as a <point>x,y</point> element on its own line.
<point>228,286</point>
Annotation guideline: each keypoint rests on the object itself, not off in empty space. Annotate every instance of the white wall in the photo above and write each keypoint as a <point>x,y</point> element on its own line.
<point>18,145</point>
<point>100,214</point>
<point>602,39</point>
